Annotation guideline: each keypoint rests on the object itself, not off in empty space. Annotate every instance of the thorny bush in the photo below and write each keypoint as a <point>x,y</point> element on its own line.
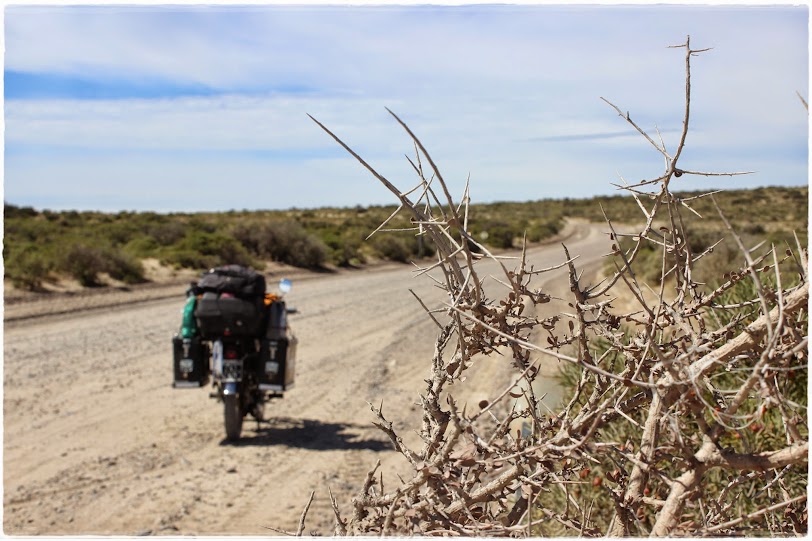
<point>688,414</point>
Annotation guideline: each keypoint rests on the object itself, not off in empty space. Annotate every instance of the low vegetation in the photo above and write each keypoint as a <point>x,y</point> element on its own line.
<point>44,244</point>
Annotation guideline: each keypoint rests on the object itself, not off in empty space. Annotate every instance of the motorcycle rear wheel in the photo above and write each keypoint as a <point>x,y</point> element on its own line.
<point>233,416</point>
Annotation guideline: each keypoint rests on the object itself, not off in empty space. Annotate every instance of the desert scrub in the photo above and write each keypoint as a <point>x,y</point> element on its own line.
<point>212,249</point>
<point>403,247</point>
<point>719,251</point>
<point>31,265</point>
<point>85,262</point>
<point>338,236</point>
<point>283,241</point>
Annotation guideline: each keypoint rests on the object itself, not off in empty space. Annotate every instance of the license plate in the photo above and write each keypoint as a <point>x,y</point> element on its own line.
<point>232,369</point>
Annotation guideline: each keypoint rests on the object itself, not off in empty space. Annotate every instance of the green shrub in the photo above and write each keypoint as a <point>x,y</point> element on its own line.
<point>143,247</point>
<point>221,249</point>
<point>84,263</point>
<point>501,234</point>
<point>307,252</point>
<point>168,233</point>
<point>248,235</point>
<point>282,241</point>
<point>392,248</point>
<point>28,268</point>
<point>116,233</point>
<point>754,229</point>
<point>543,230</point>
<point>13,211</point>
<point>344,249</point>
<point>190,259</point>
<point>124,267</point>
<point>403,247</point>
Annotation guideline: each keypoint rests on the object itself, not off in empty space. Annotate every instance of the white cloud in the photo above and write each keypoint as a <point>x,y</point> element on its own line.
<point>507,94</point>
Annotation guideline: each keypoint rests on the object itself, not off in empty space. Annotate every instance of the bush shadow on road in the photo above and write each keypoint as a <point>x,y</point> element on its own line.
<point>310,434</point>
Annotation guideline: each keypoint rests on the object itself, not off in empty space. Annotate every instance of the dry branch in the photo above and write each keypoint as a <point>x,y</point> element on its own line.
<point>662,394</point>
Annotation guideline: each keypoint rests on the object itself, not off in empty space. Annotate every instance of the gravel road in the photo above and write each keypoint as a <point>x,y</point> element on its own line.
<point>98,442</point>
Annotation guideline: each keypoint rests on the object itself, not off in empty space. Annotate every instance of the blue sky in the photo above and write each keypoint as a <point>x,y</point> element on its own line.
<point>186,108</point>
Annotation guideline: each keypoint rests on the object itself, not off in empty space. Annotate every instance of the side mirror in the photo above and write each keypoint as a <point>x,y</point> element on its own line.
<point>285,285</point>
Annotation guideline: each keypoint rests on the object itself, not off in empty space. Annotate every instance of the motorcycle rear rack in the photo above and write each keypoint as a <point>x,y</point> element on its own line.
<point>269,395</point>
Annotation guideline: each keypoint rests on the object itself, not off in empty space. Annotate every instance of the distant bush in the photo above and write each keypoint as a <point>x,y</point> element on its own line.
<point>392,248</point>
<point>543,230</point>
<point>501,234</point>
<point>248,234</point>
<point>307,252</point>
<point>754,229</point>
<point>168,233</point>
<point>282,241</point>
<point>718,249</point>
<point>124,267</point>
<point>344,249</point>
<point>30,268</point>
<point>190,259</point>
<point>12,211</point>
<point>116,232</point>
<point>143,247</point>
<point>402,248</point>
<point>210,249</point>
<point>84,263</point>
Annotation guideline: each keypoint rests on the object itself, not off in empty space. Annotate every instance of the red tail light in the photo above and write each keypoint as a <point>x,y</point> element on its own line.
<point>230,354</point>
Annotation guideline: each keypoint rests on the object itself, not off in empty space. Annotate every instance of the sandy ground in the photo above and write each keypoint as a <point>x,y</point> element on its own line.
<point>96,441</point>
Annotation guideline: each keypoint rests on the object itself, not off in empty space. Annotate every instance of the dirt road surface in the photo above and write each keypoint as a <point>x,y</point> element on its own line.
<point>96,440</point>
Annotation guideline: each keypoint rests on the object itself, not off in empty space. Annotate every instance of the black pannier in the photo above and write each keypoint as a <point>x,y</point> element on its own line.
<point>227,315</point>
<point>277,351</point>
<point>277,320</point>
<point>233,279</point>
<point>277,364</point>
<point>191,362</point>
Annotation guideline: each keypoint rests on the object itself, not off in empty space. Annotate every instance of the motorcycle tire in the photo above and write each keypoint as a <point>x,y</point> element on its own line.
<point>233,416</point>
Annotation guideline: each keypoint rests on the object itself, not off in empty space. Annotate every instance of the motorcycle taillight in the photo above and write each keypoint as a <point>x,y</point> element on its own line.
<point>230,353</point>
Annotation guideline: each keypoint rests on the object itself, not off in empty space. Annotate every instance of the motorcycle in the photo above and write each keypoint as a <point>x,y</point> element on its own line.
<point>248,351</point>
<point>249,372</point>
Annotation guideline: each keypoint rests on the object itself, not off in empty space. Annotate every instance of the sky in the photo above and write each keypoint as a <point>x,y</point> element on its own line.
<point>178,108</point>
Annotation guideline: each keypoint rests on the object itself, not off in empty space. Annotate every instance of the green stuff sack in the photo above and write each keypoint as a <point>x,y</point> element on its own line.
<point>188,327</point>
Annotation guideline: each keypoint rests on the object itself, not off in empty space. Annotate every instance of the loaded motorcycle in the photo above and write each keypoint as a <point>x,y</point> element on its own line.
<point>237,335</point>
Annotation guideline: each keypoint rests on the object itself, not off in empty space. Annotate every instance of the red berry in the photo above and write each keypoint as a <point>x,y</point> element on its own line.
<point>597,481</point>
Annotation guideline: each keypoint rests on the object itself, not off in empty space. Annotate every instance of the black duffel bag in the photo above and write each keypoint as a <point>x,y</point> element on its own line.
<point>234,279</point>
<point>228,315</point>
<point>231,302</point>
